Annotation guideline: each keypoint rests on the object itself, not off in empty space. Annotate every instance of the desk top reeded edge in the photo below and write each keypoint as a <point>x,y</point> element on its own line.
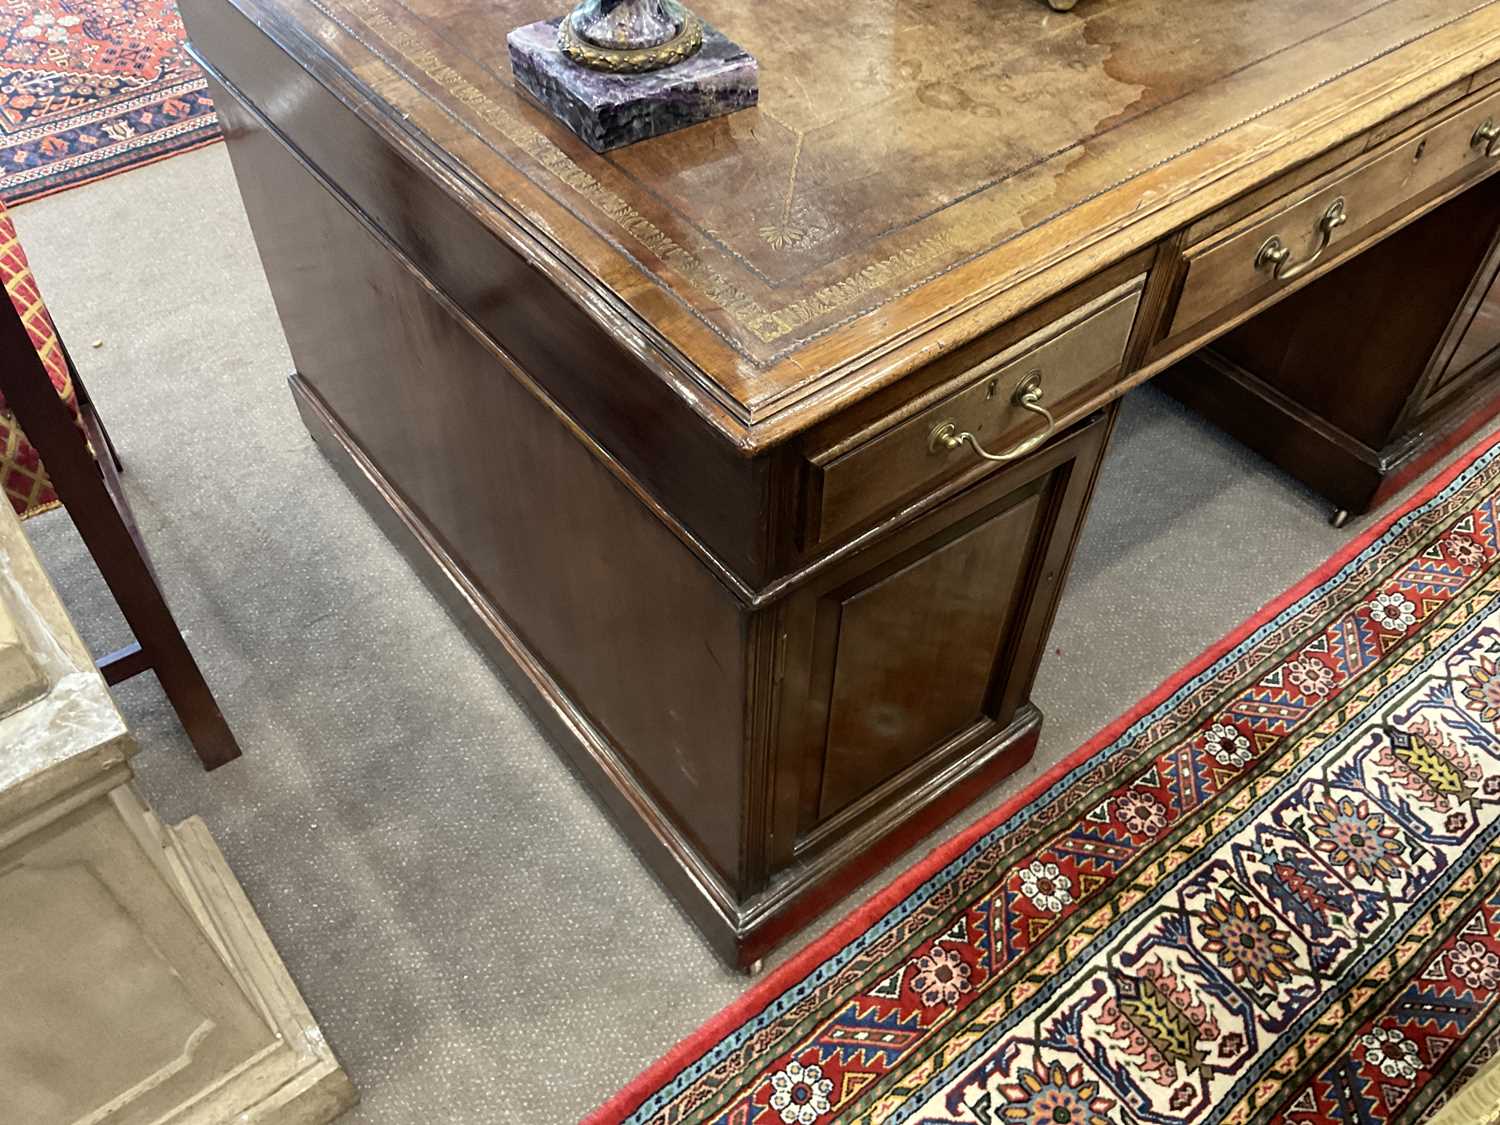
<point>915,174</point>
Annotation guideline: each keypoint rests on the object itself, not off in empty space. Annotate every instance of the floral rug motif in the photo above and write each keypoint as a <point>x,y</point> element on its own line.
<point>91,87</point>
<point>1269,894</point>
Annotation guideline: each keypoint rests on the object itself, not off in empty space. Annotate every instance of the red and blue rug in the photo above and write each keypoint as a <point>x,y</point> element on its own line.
<point>1269,894</point>
<point>93,87</point>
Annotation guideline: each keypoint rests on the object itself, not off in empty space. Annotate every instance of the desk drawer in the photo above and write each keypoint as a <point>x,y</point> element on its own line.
<point>1061,366</point>
<point>1292,238</point>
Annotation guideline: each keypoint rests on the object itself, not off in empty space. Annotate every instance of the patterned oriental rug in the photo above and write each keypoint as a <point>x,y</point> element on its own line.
<point>1269,894</point>
<point>93,87</point>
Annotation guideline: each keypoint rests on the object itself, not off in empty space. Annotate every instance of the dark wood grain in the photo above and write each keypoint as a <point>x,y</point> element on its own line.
<point>1481,335</point>
<point>618,607</point>
<point>889,705</point>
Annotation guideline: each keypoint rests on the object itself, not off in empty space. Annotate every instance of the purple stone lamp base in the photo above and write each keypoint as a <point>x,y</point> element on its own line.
<point>610,110</point>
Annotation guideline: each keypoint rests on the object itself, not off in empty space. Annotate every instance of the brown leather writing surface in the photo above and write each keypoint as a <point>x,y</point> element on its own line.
<point>915,172</point>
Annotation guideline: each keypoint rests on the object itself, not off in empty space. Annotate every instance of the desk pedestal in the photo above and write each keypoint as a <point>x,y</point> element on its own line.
<point>1359,381</point>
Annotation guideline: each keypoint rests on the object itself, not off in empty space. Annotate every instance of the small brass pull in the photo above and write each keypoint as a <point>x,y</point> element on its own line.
<point>945,436</point>
<point>1487,138</point>
<point>1276,257</point>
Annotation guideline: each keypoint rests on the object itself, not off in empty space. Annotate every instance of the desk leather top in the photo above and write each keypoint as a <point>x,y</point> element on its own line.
<point>917,171</point>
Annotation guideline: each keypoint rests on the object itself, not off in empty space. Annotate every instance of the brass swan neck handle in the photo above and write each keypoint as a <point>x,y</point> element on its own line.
<point>946,436</point>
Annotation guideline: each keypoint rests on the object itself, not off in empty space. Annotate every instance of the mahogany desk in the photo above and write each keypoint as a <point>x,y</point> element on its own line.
<point>677,430</point>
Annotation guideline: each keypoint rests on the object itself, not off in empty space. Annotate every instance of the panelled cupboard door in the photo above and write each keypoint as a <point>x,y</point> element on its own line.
<point>922,649</point>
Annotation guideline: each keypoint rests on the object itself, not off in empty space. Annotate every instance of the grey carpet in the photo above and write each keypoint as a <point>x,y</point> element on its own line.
<point>476,940</point>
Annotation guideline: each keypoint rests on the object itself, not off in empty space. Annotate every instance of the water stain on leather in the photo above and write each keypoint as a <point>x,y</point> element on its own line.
<point>954,99</point>
<point>1206,44</point>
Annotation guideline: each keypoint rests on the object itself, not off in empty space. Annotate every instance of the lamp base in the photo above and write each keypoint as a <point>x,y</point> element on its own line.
<point>609,110</point>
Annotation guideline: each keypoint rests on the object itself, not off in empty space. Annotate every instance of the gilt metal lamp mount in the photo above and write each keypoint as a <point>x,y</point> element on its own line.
<point>619,71</point>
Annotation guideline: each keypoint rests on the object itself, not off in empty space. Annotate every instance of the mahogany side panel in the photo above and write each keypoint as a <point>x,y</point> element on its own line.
<point>889,704</point>
<point>621,613</point>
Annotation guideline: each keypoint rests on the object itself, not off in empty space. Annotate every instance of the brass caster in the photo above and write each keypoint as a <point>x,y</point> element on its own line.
<point>755,968</point>
<point>1340,517</point>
